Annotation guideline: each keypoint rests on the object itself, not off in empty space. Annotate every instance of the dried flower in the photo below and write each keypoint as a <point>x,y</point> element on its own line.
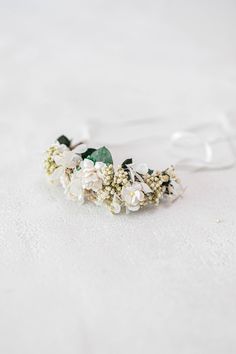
<point>88,174</point>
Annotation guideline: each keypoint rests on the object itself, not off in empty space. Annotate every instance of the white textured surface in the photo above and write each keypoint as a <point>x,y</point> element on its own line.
<point>78,280</point>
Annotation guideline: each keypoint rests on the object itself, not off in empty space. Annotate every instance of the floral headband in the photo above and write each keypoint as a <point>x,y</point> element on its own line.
<point>89,174</point>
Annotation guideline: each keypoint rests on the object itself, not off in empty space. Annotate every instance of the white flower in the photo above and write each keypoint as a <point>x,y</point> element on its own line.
<point>136,170</point>
<point>141,168</point>
<point>132,196</point>
<point>115,205</point>
<point>65,159</point>
<point>171,172</point>
<point>91,174</point>
<point>74,189</point>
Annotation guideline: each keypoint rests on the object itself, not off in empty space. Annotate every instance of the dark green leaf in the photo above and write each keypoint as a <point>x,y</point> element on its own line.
<point>64,140</point>
<point>87,153</point>
<point>102,155</point>
<point>126,162</point>
<point>150,171</point>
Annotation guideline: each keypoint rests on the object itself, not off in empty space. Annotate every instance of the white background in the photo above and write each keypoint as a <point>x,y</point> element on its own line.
<point>77,279</point>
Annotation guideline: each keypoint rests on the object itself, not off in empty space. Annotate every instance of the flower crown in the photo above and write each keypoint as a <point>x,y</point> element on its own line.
<point>89,174</point>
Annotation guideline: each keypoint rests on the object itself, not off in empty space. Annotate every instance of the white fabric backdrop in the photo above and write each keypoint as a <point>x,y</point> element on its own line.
<point>79,280</point>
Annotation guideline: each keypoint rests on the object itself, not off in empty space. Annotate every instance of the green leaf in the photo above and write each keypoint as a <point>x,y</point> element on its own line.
<point>87,153</point>
<point>89,157</point>
<point>102,155</point>
<point>150,172</point>
<point>126,162</point>
<point>64,140</point>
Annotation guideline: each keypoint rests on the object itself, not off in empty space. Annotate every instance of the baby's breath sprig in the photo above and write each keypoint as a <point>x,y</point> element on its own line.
<point>49,163</point>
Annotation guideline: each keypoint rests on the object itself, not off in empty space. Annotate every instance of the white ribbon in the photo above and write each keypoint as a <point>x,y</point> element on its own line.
<point>207,160</point>
<point>183,144</point>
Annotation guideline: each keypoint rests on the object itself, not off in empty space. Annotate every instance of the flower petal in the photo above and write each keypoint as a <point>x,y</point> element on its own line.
<point>58,159</point>
<point>100,165</point>
<point>116,208</point>
<point>80,148</point>
<point>140,196</point>
<point>141,168</point>
<point>68,156</point>
<point>86,163</point>
<point>146,188</point>
<point>133,208</point>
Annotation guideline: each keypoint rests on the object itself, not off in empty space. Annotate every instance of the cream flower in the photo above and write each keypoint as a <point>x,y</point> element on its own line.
<point>91,175</point>
<point>65,159</point>
<point>132,196</point>
<point>74,190</point>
